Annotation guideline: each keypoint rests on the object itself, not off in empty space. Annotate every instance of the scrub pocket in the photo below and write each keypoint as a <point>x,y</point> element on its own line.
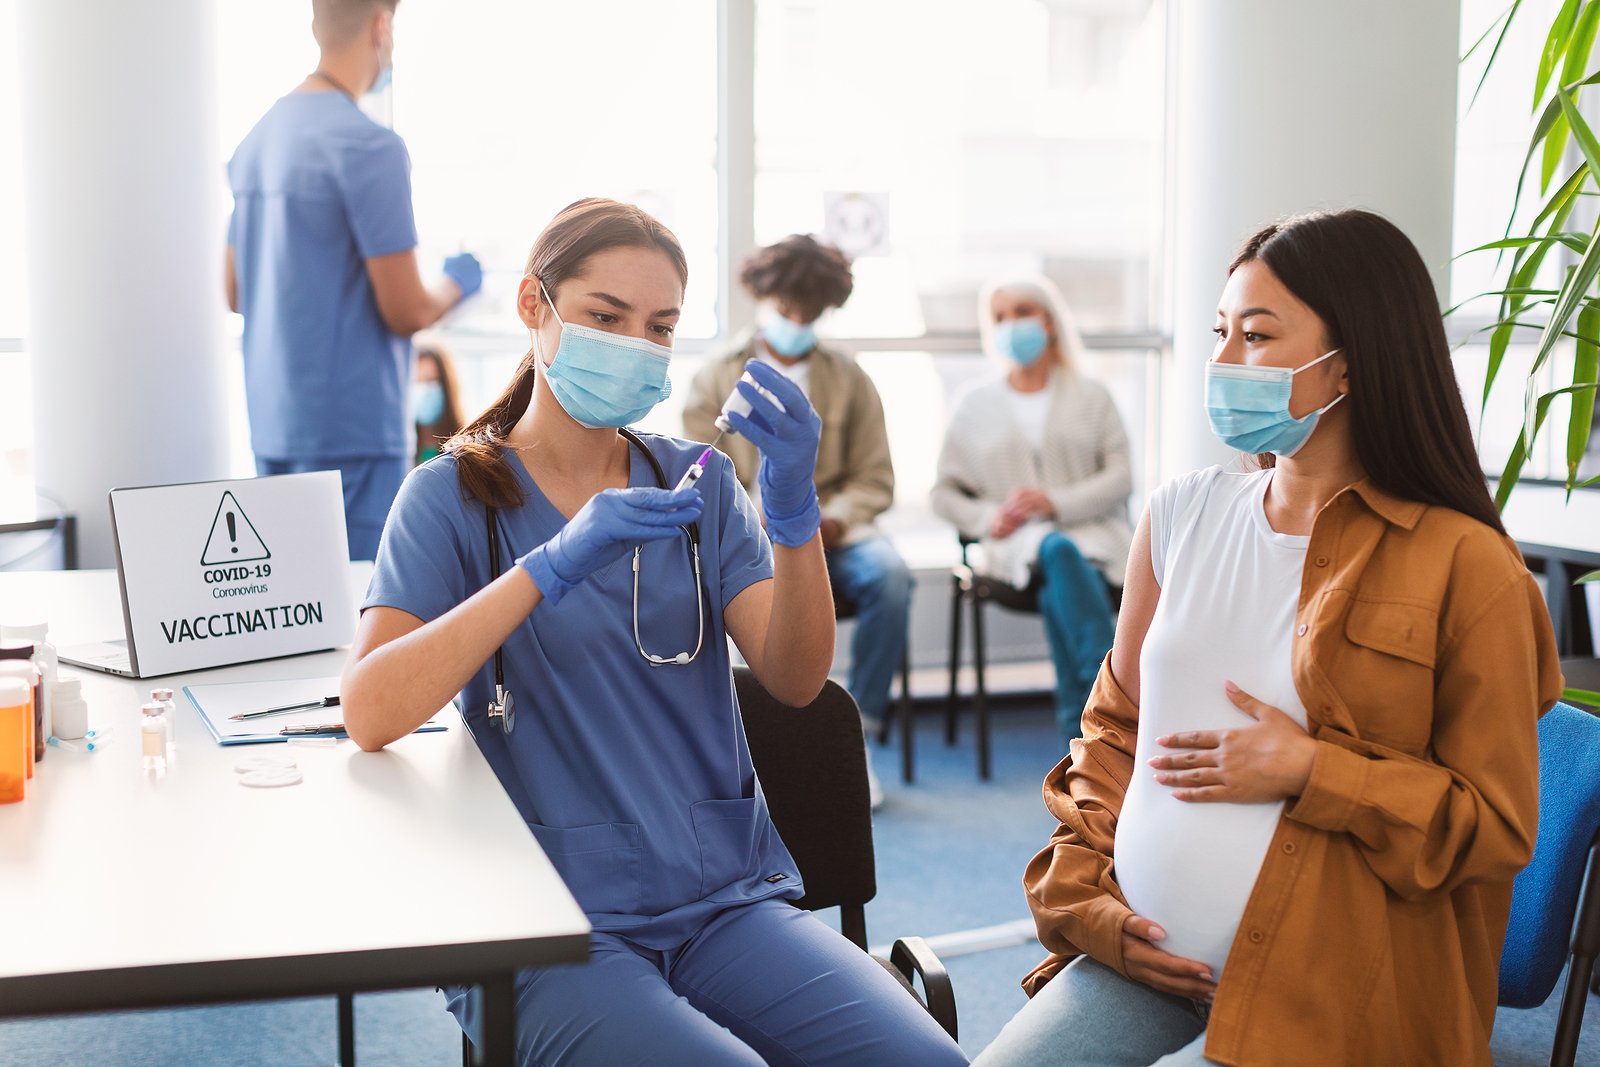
<point>599,863</point>
<point>727,832</point>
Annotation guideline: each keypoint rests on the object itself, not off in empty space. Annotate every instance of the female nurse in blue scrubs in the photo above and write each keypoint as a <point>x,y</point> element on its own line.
<point>633,773</point>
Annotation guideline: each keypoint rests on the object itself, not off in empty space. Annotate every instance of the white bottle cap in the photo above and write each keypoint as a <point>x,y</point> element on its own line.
<point>31,631</point>
<point>14,692</point>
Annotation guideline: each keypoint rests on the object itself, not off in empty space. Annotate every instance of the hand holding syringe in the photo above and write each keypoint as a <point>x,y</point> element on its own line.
<point>738,404</point>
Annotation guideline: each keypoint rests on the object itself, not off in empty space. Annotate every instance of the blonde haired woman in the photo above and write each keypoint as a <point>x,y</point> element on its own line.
<point>1035,466</point>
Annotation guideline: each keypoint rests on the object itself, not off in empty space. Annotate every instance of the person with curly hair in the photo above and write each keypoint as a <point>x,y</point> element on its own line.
<point>795,281</point>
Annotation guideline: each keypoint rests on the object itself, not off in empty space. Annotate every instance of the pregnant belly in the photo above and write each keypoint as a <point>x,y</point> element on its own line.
<point>1191,867</point>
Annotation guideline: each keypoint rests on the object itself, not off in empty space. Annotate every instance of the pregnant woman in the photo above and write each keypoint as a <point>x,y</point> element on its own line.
<point>1309,769</point>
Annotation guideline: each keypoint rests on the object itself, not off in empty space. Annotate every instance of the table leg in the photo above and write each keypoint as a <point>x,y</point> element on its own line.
<point>499,1022</point>
<point>347,1030</point>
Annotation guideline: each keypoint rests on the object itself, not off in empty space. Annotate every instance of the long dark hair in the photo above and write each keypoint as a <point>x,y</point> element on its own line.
<point>1367,283</point>
<point>578,231</point>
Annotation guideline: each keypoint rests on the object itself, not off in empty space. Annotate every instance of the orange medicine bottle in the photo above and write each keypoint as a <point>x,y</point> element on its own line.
<point>25,670</point>
<point>16,752</point>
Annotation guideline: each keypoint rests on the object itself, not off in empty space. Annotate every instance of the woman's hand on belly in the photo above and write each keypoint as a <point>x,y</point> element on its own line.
<point>1263,763</point>
<point>1162,970</point>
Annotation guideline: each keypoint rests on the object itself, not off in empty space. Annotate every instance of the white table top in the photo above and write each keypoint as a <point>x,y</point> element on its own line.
<point>105,866</point>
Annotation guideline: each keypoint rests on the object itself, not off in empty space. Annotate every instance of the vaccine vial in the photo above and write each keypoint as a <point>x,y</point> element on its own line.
<point>169,711</point>
<point>737,403</point>
<point>153,736</point>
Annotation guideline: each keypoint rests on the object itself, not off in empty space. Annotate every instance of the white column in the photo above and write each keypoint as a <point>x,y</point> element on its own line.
<point>125,235</point>
<point>736,159</point>
<point>1284,106</point>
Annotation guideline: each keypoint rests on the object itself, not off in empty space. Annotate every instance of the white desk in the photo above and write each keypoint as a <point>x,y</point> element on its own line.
<point>394,869</point>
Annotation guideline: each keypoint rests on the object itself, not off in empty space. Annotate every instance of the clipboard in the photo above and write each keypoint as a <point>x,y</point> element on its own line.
<point>216,702</point>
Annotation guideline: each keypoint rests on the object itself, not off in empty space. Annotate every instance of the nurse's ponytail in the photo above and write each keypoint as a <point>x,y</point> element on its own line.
<point>579,231</point>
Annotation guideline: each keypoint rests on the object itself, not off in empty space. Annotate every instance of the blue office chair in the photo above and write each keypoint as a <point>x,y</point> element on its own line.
<point>1561,883</point>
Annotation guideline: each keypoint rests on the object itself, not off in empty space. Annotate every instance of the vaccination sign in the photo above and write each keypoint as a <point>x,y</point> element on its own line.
<point>215,573</point>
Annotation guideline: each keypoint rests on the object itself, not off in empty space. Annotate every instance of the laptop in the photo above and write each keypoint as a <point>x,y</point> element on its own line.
<point>218,573</point>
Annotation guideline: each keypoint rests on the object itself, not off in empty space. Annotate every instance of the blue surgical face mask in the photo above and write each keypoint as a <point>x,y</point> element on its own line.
<point>385,76</point>
<point>1249,407</point>
<point>1021,340</point>
<point>427,402</point>
<point>785,336</point>
<point>605,379</point>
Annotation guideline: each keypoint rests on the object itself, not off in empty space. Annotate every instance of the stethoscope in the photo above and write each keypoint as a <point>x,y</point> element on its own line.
<point>502,709</point>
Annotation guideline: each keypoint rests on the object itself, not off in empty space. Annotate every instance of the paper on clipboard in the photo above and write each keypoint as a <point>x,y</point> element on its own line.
<point>216,702</point>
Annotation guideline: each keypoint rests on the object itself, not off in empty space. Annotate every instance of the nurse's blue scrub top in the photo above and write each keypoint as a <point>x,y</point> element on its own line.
<point>318,189</point>
<point>635,779</point>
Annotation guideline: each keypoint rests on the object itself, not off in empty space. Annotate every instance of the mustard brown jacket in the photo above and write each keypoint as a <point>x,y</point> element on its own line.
<point>1424,656</point>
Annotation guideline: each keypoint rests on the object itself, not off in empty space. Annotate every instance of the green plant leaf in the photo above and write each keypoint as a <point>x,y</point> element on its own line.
<point>1583,373</point>
<point>1592,576</point>
<point>1555,47</point>
<point>1555,146</point>
<point>1546,121</point>
<point>1509,14</point>
<point>1578,242</point>
<point>1581,696</point>
<point>1581,43</point>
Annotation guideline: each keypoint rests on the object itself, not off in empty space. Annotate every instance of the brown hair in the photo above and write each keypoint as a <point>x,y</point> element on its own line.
<point>1367,283</point>
<point>335,23</point>
<point>802,271</point>
<point>580,230</point>
<point>448,424</point>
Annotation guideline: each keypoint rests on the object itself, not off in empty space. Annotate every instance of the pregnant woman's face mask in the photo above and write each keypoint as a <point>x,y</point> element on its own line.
<point>605,379</point>
<point>1249,407</point>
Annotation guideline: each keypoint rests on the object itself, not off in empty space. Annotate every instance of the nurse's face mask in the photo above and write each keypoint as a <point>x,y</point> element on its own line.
<point>1249,407</point>
<point>604,379</point>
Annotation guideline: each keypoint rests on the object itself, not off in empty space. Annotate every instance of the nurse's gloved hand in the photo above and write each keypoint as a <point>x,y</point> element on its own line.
<point>788,442</point>
<point>603,531</point>
<point>464,270</point>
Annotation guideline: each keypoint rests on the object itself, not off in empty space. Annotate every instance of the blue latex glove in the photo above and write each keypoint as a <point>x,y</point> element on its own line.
<point>788,442</point>
<point>466,272</point>
<point>603,531</point>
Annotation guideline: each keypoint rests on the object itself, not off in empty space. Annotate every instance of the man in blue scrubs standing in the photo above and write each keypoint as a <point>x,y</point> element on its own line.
<point>322,263</point>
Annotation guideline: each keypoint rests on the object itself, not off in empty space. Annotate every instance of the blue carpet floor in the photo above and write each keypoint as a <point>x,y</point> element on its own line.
<point>950,853</point>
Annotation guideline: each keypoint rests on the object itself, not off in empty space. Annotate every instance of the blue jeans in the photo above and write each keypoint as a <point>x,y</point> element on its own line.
<point>370,486</point>
<point>760,984</point>
<point>1091,1016</point>
<point>872,574</point>
<point>1077,620</point>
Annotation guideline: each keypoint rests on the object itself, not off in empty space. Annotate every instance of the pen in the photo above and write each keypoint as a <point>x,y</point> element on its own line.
<point>305,705</point>
<point>313,729</point>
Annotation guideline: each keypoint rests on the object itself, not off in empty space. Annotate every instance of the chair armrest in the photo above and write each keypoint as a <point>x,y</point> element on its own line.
<point>912,954</point>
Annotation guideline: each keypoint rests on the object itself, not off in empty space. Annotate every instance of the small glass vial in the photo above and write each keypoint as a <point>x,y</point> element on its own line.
<point>170,713</point>
<point>153,734</point>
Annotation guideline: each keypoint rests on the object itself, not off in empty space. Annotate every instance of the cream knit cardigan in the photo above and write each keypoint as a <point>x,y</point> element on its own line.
<point>1083,467</point>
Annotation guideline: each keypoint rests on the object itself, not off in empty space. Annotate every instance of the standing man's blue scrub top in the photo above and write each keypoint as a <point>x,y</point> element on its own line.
<point>319,188</point>
<point>635,779</point>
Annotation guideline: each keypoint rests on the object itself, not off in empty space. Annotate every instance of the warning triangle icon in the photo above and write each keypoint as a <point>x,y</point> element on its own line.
<point>233,539</point>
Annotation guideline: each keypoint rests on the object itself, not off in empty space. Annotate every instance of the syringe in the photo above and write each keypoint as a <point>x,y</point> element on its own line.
<point>736,403</point>
<point>697,468</point>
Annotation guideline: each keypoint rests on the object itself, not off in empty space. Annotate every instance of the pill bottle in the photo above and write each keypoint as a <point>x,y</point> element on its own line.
<point>153,737</point>
<point>44,657</point>
<point>170,713</point>
<point>17,662</point>
<point>69,712</point>
<point>16,751</point>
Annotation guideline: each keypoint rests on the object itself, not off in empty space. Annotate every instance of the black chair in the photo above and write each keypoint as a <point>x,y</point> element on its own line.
<point>845,608</point>
<point>813,770</point>
<point>980,589</point>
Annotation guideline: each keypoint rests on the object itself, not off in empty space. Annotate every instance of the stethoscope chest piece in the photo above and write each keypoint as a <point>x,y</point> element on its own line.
<point>503,709</point>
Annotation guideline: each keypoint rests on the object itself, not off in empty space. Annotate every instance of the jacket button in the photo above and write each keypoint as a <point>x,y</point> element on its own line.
<point>1302,631</point>
<point>1256,936</point>
<point>1322,561</point>
<point>1288,846</point>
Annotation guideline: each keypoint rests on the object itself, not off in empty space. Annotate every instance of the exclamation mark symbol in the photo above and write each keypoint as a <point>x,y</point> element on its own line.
<point>233,532</point>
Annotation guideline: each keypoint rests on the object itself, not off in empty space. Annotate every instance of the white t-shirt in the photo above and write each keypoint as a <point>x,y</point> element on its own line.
<point>1031,411</point>
<point>1230,587</point>
<point>799,373</point>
